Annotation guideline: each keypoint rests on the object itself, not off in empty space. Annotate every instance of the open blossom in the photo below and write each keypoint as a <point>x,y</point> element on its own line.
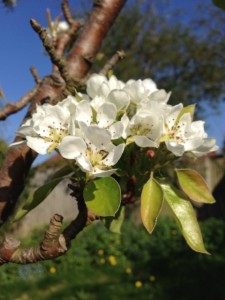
<point>99,84</point>
<point>182,135</point>
<point>94,152</point>
<point>140,90</point>
<point>48,126</point>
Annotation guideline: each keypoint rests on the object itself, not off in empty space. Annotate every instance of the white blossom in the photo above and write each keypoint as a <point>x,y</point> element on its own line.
<point>100,85</point>
<point>182,135</point>
<point>140,90</point>
<point>95,153</point>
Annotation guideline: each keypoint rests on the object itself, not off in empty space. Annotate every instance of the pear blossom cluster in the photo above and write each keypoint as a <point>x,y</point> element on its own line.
<point>94,129</point>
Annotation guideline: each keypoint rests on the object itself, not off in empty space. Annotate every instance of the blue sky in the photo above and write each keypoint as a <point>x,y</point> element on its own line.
<point>21,49</point>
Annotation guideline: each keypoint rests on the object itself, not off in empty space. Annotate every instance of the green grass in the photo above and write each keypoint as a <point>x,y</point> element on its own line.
<point>102,265</point>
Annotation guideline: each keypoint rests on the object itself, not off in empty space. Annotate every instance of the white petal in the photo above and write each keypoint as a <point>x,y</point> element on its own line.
<point>192,144</point>
<point>18,144</point>
<point>175,148</point>
<point>71,147</point>
<point>94,83</point>
<point>99,137</point>
<point>97,101</point>
<point>58,112</point>
<point>114,155</point>
<point>114,83</point>
<point>120,98</point>
<point>106,114</point>
<point>116,130</point>
<point>173,114</point>
<point>125,121</point>
<point>84,112</point>
<point>143,141</point>
<point>25,131</point>
<point>70,103</point>
<point>38,144</point>
<point>102,173</point>
<point>149,85</point>
<point>208,145</point>
<point>84,163</point>
<point>71,126</point>
<point>104,90</point>
<point>160,96</point>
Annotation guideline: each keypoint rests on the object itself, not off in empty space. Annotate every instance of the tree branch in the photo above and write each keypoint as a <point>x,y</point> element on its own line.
<point>54,243</point>
<point>55,58</point>
<point>89,42</point>
<point>12,108</point>
<point>35,75</point>
<point>112,62</point>
<point>67,13</point>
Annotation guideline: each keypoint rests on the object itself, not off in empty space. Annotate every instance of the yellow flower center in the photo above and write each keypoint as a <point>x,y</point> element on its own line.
<point>55,137</point>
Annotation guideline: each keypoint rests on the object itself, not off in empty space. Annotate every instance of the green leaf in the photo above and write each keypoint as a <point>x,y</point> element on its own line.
<point>219,3</point>
<point>114,224</point>
<point>187,109</point>
<point>36,197</point>
<point>151,203</point>
<point>194,186</point>
<point>185,217</point>
<point>65,170</point>
<point>103,196</point>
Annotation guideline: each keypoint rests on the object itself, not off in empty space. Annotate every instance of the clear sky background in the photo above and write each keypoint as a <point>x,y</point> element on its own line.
<point>21,48</point>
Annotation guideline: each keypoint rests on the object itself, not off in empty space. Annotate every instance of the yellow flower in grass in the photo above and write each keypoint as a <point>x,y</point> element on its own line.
<point>112,260</point>
<point>128,270</point>
<point>138,284</point>
<point>100,252</point>
<point>102,261</point>
<point>152,278</point>
<point>52,270</point>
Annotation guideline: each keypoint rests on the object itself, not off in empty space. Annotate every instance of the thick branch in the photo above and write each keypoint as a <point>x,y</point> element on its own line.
<point>88,43</point>
<point>52,88</point>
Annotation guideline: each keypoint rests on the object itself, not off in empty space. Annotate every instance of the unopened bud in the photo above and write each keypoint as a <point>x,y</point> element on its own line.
<point>150,153</point>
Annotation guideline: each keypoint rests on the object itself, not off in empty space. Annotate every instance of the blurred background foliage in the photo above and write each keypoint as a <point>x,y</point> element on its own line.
<point>103,265</point>
<point>183,54</point>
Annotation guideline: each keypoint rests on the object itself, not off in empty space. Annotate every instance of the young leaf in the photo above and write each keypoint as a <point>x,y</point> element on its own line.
<point>151,203</point>
<point>36,197</point>
<point>103,196</point>
<point>185,216</point>
<point>114,223</point>
<point>65,170</point>
<point>187,109</point>
<point>194,186</point>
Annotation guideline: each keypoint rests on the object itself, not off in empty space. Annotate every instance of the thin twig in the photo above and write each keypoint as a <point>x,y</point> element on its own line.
<point>55,58</point>
<point>112,62</point>
<point>12,108</point>
<point>36,77</point>
<point>67,12</point>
